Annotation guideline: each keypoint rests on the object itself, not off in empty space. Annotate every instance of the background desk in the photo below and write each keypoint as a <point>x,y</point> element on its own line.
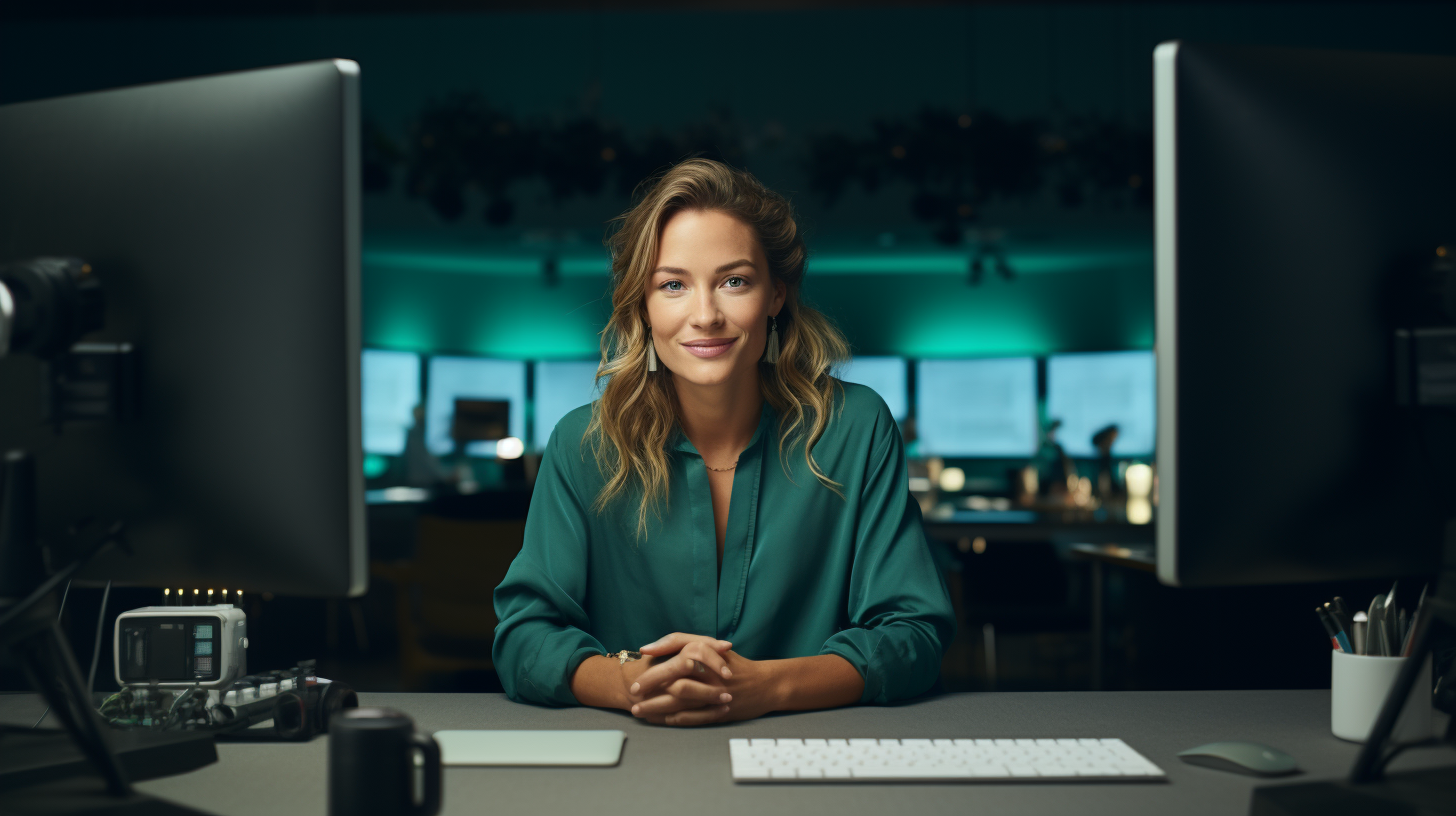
<point>686,772</point>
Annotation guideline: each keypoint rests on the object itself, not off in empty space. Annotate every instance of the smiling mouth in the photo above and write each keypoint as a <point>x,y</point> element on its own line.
<point>713,349</point>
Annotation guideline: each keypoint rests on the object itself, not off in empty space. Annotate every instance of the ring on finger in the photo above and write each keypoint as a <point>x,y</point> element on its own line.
<point>700,667</point>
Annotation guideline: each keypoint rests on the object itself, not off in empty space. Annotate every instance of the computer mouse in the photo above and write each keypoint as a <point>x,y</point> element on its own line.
<point>1251,758</point>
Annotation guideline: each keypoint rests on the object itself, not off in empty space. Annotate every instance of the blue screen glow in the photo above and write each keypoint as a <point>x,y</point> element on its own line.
<point>390,390</point>
<point>976,407</point>
<point>453,378</point>
<point>561,386</point>
<point>1088,392</point>
<point>887,376</point>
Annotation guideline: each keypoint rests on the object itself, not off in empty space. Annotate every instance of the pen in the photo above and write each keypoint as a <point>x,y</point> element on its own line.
<point>1343,629</point>
<point>1361,639</point>
<point>1388,622</point>
<point>1329,625</point>
<point>1417,619</point>
<point>1342,615</point>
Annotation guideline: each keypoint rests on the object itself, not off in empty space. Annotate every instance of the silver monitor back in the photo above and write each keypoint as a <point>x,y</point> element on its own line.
<point>221,215</point>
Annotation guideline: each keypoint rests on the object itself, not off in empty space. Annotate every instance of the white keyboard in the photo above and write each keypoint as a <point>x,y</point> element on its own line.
<point>938,760</point>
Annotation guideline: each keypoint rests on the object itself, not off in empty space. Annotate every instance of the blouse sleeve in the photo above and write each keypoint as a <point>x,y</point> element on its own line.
<point>542,637</point>
<point>899,608</point>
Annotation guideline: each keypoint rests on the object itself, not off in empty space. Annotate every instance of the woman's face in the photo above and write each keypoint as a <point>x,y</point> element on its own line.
<point>710,297</point>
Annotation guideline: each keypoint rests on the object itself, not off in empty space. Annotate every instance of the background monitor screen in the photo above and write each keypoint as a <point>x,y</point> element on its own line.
<point>472,378</point>
<point>887,376</point>
<point>977,407</point>
<point>561,386</point>
<point>1088,392</point>
<point>390,389</point>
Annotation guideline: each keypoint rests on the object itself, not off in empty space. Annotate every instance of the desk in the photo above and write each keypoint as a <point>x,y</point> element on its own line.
<point>685,771</point>
<point>1058,526</point>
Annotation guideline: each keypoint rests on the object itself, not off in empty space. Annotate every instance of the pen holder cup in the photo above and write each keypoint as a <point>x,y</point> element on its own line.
<point>1358,687</point>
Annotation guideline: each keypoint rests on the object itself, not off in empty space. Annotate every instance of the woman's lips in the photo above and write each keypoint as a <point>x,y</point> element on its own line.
<point>710,351</point>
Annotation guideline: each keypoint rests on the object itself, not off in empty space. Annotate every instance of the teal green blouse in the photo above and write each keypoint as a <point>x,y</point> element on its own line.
<point>805,572</point>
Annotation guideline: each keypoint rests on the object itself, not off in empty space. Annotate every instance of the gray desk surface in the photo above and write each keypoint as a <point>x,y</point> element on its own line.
<point>685,771</point>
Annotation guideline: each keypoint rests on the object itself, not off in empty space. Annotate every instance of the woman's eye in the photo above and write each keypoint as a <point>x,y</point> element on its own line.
<point>738,285</point>
<point>669,286</point>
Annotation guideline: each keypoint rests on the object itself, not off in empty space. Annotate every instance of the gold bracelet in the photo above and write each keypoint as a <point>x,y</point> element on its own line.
<point>625,656</point>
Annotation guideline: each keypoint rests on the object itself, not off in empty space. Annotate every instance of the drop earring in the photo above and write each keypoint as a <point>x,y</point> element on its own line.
<point>771,356</point>
<point>651,352</point>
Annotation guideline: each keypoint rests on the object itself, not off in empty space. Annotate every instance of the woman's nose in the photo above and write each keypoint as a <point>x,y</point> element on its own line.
<point>705,309</point>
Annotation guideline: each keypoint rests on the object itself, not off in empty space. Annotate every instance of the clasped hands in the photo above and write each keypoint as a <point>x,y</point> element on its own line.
<point>695,680</point>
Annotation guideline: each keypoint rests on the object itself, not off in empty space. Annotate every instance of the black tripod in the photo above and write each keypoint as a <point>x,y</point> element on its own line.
<point>28,625</point>
<point>46,305</point>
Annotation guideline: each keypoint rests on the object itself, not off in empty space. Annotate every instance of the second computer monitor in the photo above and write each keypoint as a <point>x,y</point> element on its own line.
<point>977,408</point>
<point>887,376</point>
<point>1089,392</point>
<point>390,386</point>
<point>1301,200</point>
<point>471,378</point>
<point>221,216</point>
<point>561,386</point>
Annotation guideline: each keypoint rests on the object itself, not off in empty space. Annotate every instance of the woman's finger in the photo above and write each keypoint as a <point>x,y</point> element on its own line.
<point>697,661</point>
<point>673,643</point>
<point>663,704</point>
<point>696,692</point>
<point>660,675</point>
<point>706,660</point>
<point>698,716</point>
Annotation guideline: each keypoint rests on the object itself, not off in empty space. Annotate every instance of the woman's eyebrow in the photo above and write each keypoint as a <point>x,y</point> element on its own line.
<point>673,270</point>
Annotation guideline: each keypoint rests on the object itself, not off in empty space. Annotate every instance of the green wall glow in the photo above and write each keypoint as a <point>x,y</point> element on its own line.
<point>915,315</point>
<point>942,316</point>
<point>511,316</point>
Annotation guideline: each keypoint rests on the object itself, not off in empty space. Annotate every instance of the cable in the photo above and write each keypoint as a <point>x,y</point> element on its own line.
<point>59,612</point>
<point>96,647</point>
<point>95,651</point>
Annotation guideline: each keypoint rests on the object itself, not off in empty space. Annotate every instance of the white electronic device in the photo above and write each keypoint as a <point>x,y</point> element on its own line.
<point>530,747</point>
<point>175,646</point>
<point>939,760</point>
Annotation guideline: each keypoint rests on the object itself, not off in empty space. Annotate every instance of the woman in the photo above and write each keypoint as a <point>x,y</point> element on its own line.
<point>726,502</point>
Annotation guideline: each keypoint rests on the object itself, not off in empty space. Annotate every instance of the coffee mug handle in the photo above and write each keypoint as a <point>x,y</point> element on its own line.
<point>430,802</point>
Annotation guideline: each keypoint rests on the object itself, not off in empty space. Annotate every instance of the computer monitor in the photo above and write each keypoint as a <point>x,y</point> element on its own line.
<point>560,386</point>
<point>476,420</point>
<point>1296,193</point>
<point>976,408</point>
<point>888,376</point>
<point>471,378</point>
<point>390,384</point>
<point>1089,392</point>
<point>221,216</point>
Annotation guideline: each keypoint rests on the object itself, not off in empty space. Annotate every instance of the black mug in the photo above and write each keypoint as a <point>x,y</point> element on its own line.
<point>372,762</point>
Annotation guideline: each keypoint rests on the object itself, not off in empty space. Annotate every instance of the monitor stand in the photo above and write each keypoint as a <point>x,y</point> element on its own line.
<point>87,796</point>
<point>36,756</point>
<point>1369,789</point>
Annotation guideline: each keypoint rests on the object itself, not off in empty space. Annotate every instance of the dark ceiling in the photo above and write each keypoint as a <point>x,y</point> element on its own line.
<point>70,9</point>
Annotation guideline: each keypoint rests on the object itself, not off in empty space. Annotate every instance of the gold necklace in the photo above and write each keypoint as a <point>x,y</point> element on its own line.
<point>720,470</point>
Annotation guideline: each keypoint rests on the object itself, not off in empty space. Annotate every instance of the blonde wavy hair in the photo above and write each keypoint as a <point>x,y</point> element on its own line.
<point>635,417</point>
